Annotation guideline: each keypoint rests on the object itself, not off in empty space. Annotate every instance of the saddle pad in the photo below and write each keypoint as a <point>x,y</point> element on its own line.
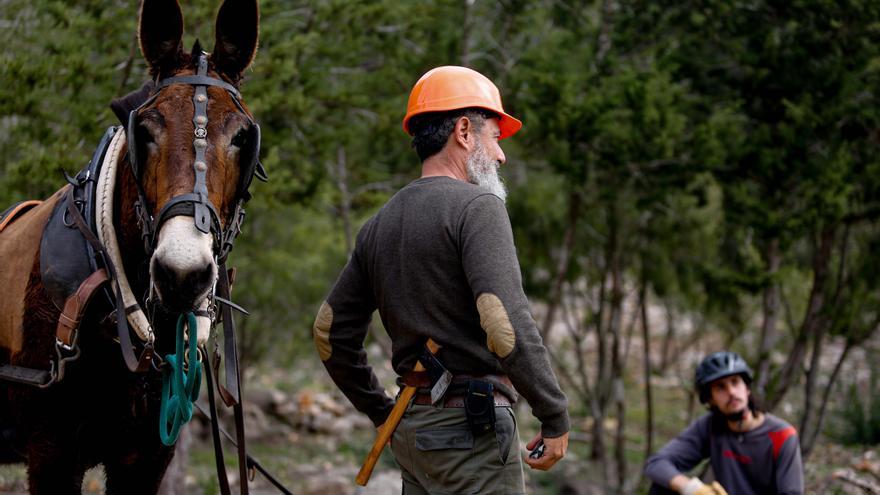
<point>15,211</point>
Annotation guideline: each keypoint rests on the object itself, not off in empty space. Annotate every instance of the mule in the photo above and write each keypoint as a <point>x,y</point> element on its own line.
<point>184,166</point>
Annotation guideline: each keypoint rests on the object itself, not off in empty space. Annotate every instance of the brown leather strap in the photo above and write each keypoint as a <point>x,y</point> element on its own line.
<point>245,466</point>
<point>457,400</point>
<point>222,478</point>
<point>75,306</point>
<point>231,393</point>
<point>17,211</point>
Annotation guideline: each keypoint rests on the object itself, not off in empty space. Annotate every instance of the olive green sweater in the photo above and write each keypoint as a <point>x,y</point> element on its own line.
<point>437,259</point>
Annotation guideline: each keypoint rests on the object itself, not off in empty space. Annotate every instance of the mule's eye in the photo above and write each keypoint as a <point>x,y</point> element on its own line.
<point>143,135</point>
<point>240,138</point>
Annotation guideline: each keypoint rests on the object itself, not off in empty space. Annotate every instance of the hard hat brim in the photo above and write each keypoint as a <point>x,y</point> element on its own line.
<point>509,125</point>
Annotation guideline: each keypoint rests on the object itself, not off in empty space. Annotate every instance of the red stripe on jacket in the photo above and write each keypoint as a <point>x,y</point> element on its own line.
<point>779,437</point>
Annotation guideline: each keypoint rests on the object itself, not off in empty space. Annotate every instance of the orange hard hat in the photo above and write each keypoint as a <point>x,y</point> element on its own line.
<point>452,88</point>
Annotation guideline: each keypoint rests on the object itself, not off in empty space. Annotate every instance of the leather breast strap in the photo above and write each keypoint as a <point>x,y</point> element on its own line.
<point>71,315</point>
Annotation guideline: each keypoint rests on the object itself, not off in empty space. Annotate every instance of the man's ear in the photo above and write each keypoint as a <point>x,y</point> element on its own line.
<point>464,134</point>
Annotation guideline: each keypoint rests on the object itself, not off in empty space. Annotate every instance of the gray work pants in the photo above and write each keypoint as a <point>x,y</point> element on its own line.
<point>438,454</point>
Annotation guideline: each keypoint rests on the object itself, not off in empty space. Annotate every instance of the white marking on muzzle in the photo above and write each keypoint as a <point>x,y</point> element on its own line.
<point>183,249</point>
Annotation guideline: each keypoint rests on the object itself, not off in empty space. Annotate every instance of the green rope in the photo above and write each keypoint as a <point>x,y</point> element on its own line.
<point>180,386</point>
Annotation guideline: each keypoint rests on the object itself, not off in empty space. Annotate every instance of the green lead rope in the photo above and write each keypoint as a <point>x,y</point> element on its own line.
<point>180,386</point>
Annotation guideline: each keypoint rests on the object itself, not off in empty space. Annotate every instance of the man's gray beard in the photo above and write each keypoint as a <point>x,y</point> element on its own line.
<point>483,171</point>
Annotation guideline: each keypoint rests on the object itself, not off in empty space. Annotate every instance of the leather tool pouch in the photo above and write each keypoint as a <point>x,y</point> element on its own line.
<point>479,406</point>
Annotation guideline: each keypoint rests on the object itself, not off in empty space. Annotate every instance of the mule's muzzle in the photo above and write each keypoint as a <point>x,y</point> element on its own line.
<point>179,290</point>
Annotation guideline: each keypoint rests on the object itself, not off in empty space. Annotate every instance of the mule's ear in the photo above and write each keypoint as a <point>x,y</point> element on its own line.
<point>236,33</point>
<point>160,32</point>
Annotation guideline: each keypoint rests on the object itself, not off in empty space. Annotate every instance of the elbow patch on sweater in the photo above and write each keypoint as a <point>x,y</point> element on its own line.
<point>321,331</point>
<point>493,318</point>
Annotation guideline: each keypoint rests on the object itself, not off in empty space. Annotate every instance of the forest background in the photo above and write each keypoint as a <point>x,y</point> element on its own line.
<point>691,176</point>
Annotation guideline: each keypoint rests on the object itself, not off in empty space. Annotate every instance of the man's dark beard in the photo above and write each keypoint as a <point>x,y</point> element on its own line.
<point>735,417</point>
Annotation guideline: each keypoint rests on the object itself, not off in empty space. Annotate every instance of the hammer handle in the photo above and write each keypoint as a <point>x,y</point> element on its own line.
<point>390,424</point>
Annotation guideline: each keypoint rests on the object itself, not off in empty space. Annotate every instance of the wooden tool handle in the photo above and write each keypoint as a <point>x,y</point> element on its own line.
<point>390,424</point>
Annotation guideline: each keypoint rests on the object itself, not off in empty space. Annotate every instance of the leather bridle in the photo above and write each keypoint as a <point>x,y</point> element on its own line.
<point>197,203</point>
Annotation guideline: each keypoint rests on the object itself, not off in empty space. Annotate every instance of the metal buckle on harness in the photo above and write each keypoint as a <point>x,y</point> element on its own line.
<point>79,204</point>
<point>56,368</point>
<point>65,347</point>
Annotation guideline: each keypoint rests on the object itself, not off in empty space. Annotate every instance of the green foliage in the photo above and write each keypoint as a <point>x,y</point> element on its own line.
<point>858,418</point>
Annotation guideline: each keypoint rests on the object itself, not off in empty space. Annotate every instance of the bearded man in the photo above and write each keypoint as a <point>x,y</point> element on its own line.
<point>751,452</point>
<point>438,262</point>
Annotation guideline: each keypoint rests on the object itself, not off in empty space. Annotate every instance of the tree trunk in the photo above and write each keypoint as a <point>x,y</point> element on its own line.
<point>771,311</point>
<point>812,379</point>
<point>669,338</point>
<point>603,40</point>
<point>602,367</point>
<point>620,435</point>
<point>631,329</point>
<point>133,53</point>
<point>646,363</point>
<point>616,328</point>
<point>562,266</point>
<point>598,452</point>
<point>809,438</point>
<point>466,32</point>
<point>811,321</point>
<point>344,198</point>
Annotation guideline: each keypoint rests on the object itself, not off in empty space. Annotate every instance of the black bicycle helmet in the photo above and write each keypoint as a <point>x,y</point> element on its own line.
<point>718,365</point>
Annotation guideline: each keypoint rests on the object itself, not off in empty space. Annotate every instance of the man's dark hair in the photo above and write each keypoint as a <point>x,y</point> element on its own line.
<point>431,130</point>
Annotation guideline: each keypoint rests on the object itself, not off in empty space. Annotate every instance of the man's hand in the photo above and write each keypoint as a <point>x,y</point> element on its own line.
<point>696,487</point>
<point>554,449</point>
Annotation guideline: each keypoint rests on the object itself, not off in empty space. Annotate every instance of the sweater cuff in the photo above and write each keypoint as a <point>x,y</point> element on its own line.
<point>378,416</point>
<point>555,426</point>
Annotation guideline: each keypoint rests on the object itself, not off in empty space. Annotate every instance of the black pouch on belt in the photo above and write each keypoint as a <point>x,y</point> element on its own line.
<point>479,406</point>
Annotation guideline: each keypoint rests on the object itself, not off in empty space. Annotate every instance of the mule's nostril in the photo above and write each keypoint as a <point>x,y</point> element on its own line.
<point>162,274</point>
<point>181,290</point>
<point>203,277</point>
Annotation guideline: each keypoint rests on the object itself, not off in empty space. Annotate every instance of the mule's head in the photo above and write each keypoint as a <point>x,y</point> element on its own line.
<point>194,153</point>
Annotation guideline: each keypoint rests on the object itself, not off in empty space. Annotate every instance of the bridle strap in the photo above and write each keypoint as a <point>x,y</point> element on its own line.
<point>219,461</point>
<point>186,204</point>
<point>201,215</point>
<point>199,80</point>
<point>197,203</point>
